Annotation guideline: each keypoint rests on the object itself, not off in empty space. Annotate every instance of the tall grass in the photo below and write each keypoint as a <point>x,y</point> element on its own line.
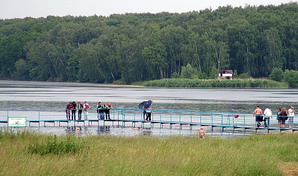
<point>236,83</point>
<point>107,155</point>
<point>53,146</point>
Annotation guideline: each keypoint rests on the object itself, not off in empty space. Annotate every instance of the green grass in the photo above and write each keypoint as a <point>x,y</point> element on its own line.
<point>214,83</point>
<point>108,155</point>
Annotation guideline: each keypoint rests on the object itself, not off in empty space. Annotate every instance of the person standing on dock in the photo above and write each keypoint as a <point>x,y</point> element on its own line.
<point>291,114</point>
<point>278,117</point>
<point>73,110</point>
<point>258,113</point>
<point>86,108</point>
<point>80,110</point>
<point>284,117</point>
<point>100,114</point>
<point>267,116</point>
<point>148,110</point>
<point>107,111</point>
<point>67,110</point>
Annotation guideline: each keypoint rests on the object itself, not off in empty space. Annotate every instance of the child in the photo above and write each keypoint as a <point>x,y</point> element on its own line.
<point>201,133</point>
<point>78,130</point>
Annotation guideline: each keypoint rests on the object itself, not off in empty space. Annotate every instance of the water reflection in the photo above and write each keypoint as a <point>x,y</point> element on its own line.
<point>147,131</point>
<point>103,130</point>
<point>70,130</point>
<point>139,131</point>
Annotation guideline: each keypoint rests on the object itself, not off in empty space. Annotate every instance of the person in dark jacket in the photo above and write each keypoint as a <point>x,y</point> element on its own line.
<point>100,111</point>
<point>73,110</point>
<point>80,110</point>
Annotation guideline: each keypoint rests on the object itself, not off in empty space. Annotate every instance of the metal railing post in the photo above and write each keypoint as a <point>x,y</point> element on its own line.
<point>160,119</point>
<point>7,115</point>
<point>200,118</point>
<point>244,121</point>
<point>180,117</point>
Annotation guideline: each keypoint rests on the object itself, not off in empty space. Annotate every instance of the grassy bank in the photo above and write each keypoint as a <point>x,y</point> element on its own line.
<point>106,155</point>
<point>214,83</point>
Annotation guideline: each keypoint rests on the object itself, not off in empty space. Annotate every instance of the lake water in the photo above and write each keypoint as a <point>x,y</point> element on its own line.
<point>52,95</point>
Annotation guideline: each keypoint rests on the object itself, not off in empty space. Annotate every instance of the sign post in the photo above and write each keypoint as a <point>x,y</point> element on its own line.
<point>17,121</point>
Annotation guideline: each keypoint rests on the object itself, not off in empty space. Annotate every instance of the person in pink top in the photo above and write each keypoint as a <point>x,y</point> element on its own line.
<point>86,107</point>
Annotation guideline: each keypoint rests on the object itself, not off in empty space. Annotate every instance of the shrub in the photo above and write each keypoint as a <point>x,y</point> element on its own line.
<point>244,76</point>
<point>53,146</point>
<point>213,73</point>
<point>291,77</point>
<point>188,71</point>
<point>203,75</point>
<point>175,75</point>
<point>276,74</point>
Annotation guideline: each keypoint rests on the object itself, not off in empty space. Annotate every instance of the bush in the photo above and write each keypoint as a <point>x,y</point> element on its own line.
<point>55,147</point>
<point>203,75</point>
<point>276,74</point>
<point>244,76</point>
<point>188,71</point>
<point>214,73</point>
<point>291,77</point>
<point>175,75</point>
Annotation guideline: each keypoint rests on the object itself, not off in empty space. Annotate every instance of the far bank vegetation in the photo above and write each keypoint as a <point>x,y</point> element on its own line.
<point>129,48</point>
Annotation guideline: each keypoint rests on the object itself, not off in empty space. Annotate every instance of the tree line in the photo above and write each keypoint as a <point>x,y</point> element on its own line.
<point>251,40</point>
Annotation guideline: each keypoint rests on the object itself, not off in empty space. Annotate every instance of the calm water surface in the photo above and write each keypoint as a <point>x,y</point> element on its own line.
<point>52,95</point>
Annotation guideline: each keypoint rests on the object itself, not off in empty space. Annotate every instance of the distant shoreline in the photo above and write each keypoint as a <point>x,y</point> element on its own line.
<point>76,84</point>
<point>168,83</point>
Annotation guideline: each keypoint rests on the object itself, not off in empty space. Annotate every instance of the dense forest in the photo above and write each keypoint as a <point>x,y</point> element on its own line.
<point>128,48</point>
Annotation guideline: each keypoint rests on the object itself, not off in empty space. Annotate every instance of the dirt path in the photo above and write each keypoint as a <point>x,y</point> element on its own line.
<point>289,168</point>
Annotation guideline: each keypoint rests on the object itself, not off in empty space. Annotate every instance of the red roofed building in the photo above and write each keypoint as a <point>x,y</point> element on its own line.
<point>225,74</point>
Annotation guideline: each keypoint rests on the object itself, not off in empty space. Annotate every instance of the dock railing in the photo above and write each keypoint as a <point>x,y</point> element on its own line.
<point>160,116</point>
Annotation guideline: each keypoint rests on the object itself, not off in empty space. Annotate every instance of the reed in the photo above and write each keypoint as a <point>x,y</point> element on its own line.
<point>214,83</point>
<point>108,155</point>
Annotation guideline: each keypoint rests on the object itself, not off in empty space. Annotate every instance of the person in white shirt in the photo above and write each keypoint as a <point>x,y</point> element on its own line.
<point>267,116</point>
<point>291,114</point>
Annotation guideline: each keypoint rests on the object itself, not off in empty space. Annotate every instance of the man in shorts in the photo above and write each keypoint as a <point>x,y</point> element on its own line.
<point>259,118</point>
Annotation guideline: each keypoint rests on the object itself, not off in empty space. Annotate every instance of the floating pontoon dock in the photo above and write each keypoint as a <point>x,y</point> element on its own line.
<point>135,117</point>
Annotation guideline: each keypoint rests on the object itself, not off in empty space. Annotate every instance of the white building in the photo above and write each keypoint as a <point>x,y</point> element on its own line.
<point>225,74</point>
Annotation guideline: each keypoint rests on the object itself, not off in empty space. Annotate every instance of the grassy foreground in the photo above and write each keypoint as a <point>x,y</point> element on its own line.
<point>107,155</point>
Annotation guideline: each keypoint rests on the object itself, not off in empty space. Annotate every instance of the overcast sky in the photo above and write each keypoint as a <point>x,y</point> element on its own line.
<point>42,8</point>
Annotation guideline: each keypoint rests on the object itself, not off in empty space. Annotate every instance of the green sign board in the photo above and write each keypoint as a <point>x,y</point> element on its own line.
<point>17,121</point>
